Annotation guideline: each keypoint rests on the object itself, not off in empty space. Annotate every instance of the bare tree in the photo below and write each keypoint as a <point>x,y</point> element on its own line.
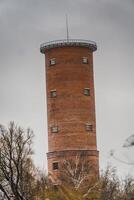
<point>16,167</point>
<point>109,185</point>
<point>75,172</point>
<point>128,189</point>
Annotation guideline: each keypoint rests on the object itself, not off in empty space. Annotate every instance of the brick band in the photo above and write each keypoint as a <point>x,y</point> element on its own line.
<point>72,153</point>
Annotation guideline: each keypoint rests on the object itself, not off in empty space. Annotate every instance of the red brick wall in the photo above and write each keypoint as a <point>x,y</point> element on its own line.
<point>71,109</point>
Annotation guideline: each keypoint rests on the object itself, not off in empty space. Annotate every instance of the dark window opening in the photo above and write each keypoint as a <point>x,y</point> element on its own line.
<point>55,165</point>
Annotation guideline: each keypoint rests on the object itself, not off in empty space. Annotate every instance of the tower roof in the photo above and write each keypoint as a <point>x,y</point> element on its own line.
<point>71,42</point>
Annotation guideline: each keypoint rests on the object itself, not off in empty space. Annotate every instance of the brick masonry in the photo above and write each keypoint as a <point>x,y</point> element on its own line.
<point>70,110</point>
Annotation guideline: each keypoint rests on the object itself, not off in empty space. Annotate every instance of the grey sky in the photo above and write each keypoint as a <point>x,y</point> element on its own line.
<point>24,25</point>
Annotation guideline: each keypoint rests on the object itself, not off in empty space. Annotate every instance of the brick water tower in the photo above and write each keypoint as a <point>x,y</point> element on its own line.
<point>70,101</point>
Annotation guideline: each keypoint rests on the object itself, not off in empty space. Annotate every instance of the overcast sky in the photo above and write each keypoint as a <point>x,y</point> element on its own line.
<point>25,24</point>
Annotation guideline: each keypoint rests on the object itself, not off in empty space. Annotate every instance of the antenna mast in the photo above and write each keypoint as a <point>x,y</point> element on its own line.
<point>67,28</point>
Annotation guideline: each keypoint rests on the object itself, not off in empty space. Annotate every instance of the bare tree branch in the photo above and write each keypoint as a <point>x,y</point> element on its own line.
<point>15,159</point>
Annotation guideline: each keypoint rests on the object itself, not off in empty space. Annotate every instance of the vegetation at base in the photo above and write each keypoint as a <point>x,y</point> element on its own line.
<point>21,180</point>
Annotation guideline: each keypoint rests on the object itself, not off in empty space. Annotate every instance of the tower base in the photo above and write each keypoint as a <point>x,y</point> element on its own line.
<point>58,162</point>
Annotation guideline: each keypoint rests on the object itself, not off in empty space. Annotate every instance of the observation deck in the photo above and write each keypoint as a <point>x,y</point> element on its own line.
<point>67,43</point>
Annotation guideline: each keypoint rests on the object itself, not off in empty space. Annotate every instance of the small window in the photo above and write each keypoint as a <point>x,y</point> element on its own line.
<point>53,93</point>
<point>85,60</point>
<point>87,91</point>
<point>54,129</point>
<point>89,127</point>
<point>55,165</point>
<point>52,61</point>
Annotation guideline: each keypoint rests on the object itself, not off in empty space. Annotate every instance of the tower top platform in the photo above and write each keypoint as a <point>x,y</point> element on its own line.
<point>67,43</point>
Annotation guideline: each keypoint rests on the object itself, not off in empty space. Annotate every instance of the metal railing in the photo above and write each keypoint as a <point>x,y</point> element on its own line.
<point>68,42</point>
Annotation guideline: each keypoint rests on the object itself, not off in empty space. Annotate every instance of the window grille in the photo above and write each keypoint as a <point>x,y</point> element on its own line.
<point>89,127</point>
<point>53,93</point>
<point>87,91</point>
<point>52,61</point>
<point>85,60</point>
<point>54,129</point>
